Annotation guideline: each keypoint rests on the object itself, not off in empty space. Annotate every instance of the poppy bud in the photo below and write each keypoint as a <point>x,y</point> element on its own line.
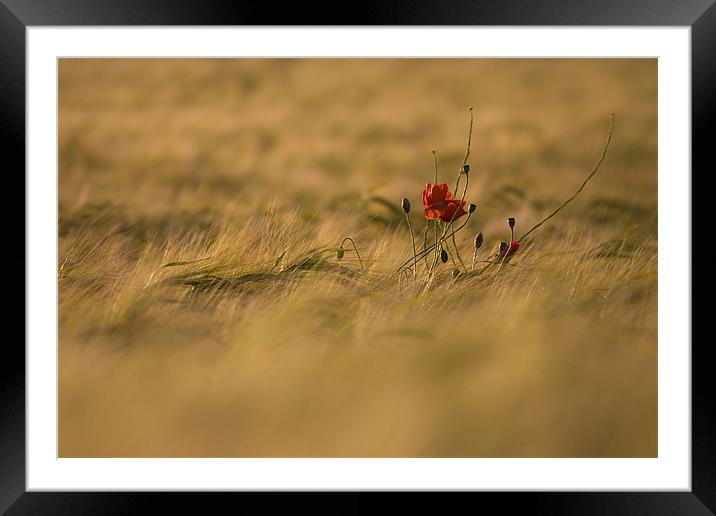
<point>478,240</point>
<point>503,247</point>
<point>443,256</point>
<point>340,253</point>
<point>466,168</point>
<point>511,222</point>
<point>472,208</point>
<point>406,205</point>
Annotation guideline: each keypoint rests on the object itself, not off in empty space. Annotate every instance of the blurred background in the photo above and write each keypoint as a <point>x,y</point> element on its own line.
<point>166,160</point>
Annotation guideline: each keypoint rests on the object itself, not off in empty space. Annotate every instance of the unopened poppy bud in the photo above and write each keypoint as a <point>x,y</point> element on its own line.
<point>443,256</point>
<point>478,240</point>
<point>340,253</point>
<point>466,168</point>
<point>406,205</point>
<point>511,222</point>
<point>472,208</point>
<point>503,247</point>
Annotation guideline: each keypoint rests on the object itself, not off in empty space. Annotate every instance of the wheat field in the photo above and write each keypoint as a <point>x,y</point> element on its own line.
<point>203,310</point>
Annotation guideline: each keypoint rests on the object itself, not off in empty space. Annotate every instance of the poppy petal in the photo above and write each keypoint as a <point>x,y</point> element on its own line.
<point>454,210</point>
<point>439,192</point>
<point>427,194</point>
<point>432,214</point>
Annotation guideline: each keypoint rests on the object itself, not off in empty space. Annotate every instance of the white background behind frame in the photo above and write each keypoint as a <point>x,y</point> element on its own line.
<point>670,471</point>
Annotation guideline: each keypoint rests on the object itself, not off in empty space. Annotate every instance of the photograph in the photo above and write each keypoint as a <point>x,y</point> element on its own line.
<point>357,257</point>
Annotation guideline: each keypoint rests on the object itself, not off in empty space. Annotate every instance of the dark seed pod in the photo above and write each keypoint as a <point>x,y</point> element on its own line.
<point>443,256</point>
<point>478,240</point>
<point>466,168</point>
<point>340,253</point>
<point>503,247</point>
<point>406,205</point>
<point>511,222</point>
<point>472,208</point>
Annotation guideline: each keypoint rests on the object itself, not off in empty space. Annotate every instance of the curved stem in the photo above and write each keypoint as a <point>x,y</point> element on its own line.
<point>467,152</point>
<point>356,250</point>
<point>462,199</point>
<point>596,167</point>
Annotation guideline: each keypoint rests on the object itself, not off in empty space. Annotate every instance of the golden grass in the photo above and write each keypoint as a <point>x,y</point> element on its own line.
<point>221,167</point>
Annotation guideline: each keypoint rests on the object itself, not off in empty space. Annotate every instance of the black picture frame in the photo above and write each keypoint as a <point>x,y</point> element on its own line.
<point>17,15</point>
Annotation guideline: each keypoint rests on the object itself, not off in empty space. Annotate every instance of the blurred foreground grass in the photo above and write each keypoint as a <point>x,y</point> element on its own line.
<point>227,165</point>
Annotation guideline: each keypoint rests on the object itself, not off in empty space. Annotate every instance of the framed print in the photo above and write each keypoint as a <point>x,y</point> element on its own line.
<point>429,251</point>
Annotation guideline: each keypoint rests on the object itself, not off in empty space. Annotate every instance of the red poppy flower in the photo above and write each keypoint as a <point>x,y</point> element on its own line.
<point>509,251</point>
<point>440,203</point>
